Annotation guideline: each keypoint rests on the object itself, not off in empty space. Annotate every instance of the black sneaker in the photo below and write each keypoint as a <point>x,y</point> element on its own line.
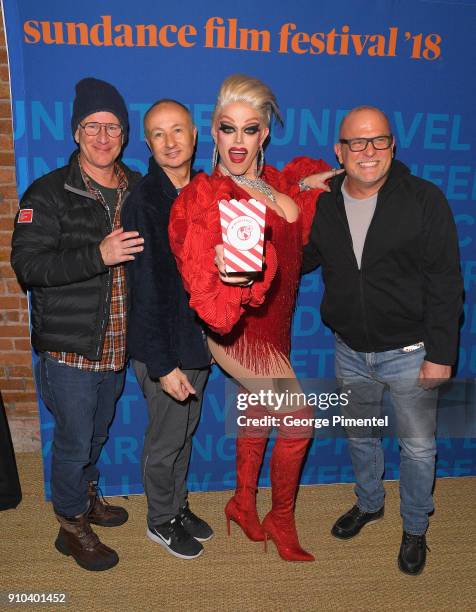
<point>194,525</point>
<point>412,555</point>
<point>350,523</point>
<point>173,537</point>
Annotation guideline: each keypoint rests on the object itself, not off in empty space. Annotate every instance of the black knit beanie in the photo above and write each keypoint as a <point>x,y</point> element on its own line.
<point>95,96</point>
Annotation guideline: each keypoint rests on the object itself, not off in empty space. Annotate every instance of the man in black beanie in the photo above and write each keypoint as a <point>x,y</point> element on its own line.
<point>69,249</point>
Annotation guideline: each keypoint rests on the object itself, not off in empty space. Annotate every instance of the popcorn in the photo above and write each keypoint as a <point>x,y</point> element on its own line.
<point>242,225</point>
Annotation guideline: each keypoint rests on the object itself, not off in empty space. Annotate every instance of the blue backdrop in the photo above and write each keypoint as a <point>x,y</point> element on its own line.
<point>413,58</point>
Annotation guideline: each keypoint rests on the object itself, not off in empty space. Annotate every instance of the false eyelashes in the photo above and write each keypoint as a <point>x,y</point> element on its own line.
<point>226,128</point>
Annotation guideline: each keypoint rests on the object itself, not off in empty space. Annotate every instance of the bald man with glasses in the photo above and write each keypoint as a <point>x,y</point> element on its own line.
<point>387,245</point>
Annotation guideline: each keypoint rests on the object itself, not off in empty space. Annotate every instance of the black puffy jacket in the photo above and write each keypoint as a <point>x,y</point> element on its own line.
<point>56,256</point>
<point>409,287</point>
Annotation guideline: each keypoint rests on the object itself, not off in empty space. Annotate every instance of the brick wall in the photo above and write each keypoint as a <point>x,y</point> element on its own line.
<point>16,379</point>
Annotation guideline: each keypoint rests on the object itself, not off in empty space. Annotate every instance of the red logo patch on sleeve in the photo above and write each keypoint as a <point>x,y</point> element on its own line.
<point>26,215</point>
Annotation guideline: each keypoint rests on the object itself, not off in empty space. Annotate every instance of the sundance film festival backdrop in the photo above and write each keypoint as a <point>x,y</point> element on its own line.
<point>413,58</point>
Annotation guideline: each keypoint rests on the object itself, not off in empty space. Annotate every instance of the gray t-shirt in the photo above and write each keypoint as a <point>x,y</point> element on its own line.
<point>359,215</point>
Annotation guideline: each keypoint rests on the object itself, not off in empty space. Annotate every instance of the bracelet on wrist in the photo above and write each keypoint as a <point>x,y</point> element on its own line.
<point>303,186</point>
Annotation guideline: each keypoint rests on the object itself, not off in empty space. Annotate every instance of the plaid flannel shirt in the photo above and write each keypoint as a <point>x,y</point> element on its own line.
<point>114,351</point>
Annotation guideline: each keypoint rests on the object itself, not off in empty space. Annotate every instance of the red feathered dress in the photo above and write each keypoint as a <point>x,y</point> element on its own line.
<point>252,324</point>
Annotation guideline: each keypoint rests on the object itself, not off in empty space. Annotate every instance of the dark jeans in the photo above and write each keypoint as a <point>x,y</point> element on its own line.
<point>83,405</point>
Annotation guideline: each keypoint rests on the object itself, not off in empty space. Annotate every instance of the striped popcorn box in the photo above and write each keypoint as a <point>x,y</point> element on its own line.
<point>242,226</point>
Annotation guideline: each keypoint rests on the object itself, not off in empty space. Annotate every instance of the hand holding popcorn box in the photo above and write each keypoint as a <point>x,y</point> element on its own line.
<point>242,226</point>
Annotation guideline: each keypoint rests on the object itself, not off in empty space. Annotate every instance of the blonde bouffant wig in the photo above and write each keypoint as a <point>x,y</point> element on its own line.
<point>242,88</point>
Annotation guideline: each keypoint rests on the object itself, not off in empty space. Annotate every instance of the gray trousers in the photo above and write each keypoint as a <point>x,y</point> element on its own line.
<point>168,443</point>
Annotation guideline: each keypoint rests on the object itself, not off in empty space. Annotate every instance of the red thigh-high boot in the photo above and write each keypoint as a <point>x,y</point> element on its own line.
<point>242,506</point>
<point>250,447</point>
<point>278,525</point>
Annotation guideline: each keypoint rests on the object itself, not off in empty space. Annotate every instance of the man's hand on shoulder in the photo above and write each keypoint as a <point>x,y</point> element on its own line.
<point>119,246</point>
<point>177,385</point>
<point>433,374</point>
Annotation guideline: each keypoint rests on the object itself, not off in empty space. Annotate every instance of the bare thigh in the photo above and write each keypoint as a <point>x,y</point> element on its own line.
<point>279,381</point>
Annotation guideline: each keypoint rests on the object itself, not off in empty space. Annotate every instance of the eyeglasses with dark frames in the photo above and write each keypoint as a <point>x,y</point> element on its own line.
<point>92,128</point>
<point>360,144</point>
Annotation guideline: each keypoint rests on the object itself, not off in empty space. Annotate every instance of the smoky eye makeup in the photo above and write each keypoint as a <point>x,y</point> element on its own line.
<point>252,129</point>
<point>226,128</point>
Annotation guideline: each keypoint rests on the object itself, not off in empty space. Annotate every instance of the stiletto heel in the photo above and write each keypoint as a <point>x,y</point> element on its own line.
<point>278,525</point>
<point>286,540</point>
<point>246,518</point>
<point>265,542</point>
<point>241,508</point>
<point>228,528</point>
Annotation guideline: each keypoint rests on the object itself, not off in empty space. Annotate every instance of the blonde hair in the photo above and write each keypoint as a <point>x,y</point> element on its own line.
<point>242,88</point>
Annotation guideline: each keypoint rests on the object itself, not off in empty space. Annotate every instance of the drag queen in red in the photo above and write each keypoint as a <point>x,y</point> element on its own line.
<point>249,317</point>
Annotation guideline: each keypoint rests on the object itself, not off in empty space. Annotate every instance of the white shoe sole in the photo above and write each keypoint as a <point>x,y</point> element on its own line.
<point>204,539</point>
<point>158,540</point>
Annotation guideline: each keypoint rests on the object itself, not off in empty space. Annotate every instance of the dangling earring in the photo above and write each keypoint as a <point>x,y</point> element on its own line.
<point>260,161</point>
<point>214,157</point>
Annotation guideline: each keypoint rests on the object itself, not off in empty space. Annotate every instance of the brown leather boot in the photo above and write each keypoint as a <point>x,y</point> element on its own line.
<point>103,513</point>
<point>77,539</point>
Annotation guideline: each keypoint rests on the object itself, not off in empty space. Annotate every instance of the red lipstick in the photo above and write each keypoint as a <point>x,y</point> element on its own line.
<point>237,154</point>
